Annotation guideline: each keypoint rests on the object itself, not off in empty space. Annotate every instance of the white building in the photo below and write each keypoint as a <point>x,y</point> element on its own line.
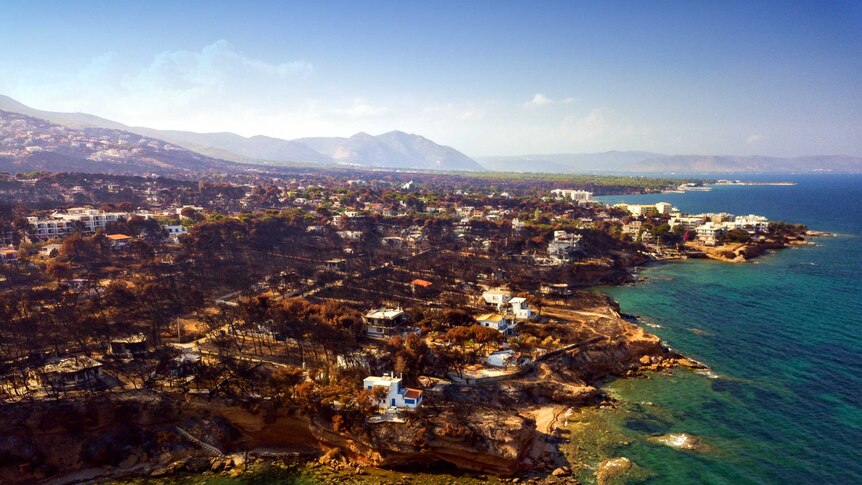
<point>752,222</point>
<point>633,228</point>
<point>503,358</point>
<point>174,232</point>
<point>384,322</point>
<point>496,297</point>
<point>710,233</point>
<point>638,210</point>
<point>520,309</point>
<point>396,395</point>
<point>687,222</point>
<point>517,224</point>
<point>575,195</point>
<point>663,208</point>
<point>62,224</point>
<point>504,324</point>
<point>563,247</point>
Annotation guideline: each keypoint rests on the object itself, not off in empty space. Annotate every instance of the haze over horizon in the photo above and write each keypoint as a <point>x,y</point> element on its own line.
<point>487,78</point>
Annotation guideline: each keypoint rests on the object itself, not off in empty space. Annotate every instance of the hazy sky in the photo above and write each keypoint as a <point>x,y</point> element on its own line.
<point>778,78</point>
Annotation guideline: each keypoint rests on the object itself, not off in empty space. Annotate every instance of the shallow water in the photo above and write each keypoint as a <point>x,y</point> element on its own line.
<point>782,337</point>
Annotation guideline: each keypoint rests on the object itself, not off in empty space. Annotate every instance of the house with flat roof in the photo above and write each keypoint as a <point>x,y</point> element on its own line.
<point>397,395</point>
<point>131,346</point>
<point>520,309</point>
<point>505,324</point>
<point>497,297</point>
<point>386,322</point>
<point>503,358</point>
<point>174,232</point>
<point>118,241</point>
<point>8,255</point>
<point>72,372</point>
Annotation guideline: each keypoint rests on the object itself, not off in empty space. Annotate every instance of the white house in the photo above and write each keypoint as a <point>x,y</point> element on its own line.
<point>505,324</point>
<point>384,322</point>
<point>520,309</point>
<point>174,232</point>
<point>119,241</point>
<point>503,358</point>
<point>496,297</point>
<point>48,249</point>
<point>563,246</point>
<point>517,224</point>
<point>397,395</point>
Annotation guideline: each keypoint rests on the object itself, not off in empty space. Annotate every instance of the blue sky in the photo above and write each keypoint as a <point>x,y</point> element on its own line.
<point>489,78</point>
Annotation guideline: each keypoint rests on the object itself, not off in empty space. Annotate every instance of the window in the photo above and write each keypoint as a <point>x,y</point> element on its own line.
<point>409,401</point>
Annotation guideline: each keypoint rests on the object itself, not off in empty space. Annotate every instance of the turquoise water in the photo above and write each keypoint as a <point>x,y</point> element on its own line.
<point>781,334</point>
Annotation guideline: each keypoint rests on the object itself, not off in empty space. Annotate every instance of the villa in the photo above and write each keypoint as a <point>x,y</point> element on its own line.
<point>397,396</point>
<point>386,322</point>
<point>520,309</point>
<point>505,324</point>
<point>119,241</point>
<point>496,297</point>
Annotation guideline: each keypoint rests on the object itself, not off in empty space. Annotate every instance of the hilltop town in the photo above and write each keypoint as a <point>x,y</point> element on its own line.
<point>356,318</point>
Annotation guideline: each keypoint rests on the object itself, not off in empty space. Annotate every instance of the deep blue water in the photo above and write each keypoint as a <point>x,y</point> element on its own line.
<point>784,335</point>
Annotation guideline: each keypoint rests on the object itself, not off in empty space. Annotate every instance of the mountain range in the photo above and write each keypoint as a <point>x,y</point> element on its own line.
<point>399,150</point>
<point>653,163</point>
<point>395,149</point>
<point>28,143</point>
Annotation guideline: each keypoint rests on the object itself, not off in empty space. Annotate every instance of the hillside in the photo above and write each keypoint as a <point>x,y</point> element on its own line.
<point>28,143</point>
<point>394,149</point>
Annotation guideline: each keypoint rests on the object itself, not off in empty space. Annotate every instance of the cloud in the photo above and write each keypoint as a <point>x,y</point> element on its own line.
<point>595,124</point>
<point>539,100</point>
<point>194,84</point>
<point>755,139</point>
<point>362,109</point>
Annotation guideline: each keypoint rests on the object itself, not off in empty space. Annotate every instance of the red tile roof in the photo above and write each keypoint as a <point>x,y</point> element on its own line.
<point>422,283</point>
<point>117,237</point>
<point>412,394</point>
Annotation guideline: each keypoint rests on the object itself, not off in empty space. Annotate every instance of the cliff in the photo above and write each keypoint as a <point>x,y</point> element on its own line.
<point>135,433</point>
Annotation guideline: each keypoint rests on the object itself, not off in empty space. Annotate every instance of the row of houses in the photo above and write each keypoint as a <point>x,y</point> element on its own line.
<point>387,322</point>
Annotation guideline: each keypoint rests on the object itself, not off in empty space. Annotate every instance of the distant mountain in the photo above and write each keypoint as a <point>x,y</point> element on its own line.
<point>394,149</point>
<point>239,148</point>
<point>728,164</point>
<point>646,162</point>
<point>613,161</point>
<point>28,143</point>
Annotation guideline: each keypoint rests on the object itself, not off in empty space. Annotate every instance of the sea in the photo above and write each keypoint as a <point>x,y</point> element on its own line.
<point>782,337</point>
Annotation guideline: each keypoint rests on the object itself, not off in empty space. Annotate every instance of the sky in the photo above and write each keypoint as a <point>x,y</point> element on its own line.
<point>488,78</point>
